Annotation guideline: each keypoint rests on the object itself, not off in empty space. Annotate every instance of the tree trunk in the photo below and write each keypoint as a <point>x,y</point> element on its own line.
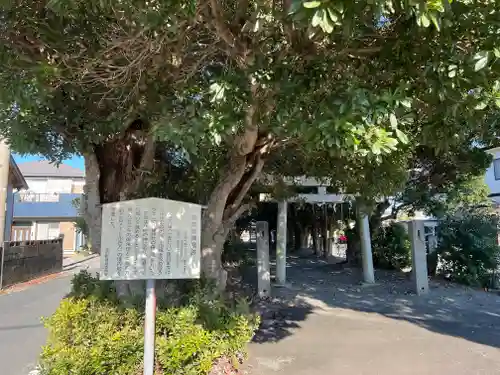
<point>353,253</point>
<point>91,202</point>
<point>225,206</point>
<point>324,233</point>
<point>212,245</point>
<point>114,171</point>
<point>315,240</point>
<point>305,238</point>
<point>376,217</point>
<point>297,237</point>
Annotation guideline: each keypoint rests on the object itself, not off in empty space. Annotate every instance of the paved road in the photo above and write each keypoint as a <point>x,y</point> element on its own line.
<point>327,324</point>
<point>21,331</point>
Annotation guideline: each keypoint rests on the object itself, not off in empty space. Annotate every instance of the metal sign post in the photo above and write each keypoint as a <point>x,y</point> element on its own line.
<point>150,239</point>
<point>149,328</point>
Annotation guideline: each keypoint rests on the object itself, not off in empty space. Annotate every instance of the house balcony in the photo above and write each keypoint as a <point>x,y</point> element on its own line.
<point>28,205</point>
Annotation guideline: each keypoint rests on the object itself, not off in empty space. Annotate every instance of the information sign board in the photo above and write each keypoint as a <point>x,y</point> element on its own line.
<point>150,238</point>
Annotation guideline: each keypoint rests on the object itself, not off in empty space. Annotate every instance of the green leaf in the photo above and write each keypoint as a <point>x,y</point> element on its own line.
<point>497,102</point>
<point>393,120</point>
<point>481,59</point>
<point>391,144</point>
<point>435,20</point>
<point>339,6</point>
<point>496,52</point>
<point>326,24</point>
<point>376,148</point>
<point>406,103</point>
<point>401,136</point>
<point>452,71</point>
<point>481,105</point>
<point>312,4</point>
<point>424,20</point>
<point>317,18</point>
<point>333,15</point>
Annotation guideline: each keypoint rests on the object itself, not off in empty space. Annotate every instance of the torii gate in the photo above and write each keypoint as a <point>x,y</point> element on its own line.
<point>320,197</point>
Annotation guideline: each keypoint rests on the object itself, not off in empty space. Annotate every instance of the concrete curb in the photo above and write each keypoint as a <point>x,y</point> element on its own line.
<point>87,258</point>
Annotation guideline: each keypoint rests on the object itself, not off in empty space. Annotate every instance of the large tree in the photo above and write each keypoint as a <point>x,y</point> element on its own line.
<point>245,80</point>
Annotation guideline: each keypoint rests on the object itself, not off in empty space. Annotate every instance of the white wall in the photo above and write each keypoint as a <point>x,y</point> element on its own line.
<point>47,231</point>
<point>37,186</point>
<point>493,184</point>
<point>52,185</point>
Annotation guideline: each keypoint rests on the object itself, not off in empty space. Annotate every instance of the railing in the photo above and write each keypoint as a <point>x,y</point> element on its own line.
<point>38,197</point>
<point>36,205</point>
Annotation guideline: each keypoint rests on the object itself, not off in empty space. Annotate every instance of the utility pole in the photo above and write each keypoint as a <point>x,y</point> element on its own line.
<point>4,183</point>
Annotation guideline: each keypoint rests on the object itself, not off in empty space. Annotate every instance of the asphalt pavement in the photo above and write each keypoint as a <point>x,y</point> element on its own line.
<point>22,333</point>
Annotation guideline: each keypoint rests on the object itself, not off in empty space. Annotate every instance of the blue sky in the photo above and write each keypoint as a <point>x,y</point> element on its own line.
<point>76,161</point>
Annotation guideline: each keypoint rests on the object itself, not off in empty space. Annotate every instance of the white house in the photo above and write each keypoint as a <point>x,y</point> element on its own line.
<point>48,208</point>
<point>492,176</point>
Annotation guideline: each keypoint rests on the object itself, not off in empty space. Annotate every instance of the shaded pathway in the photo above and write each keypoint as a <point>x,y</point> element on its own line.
<point>325,322</point>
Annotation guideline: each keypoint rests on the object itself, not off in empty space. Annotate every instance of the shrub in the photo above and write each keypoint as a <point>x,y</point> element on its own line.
<point>84,285</point>
<point>237,253</point>
<point>467,246</point>
<point>91,334</point>
<point>392,248</point>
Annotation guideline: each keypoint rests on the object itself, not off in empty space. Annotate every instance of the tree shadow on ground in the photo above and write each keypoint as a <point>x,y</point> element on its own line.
<point>315,286</point>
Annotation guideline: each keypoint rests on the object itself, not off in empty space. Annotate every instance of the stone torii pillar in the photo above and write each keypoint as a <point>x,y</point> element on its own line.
<point>281,243</point>
<point>366,247</point>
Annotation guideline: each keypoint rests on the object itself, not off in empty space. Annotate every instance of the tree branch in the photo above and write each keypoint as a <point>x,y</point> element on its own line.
<point>245,143</point>
<point>245,187</point>
<point>230,179</point>
<point>395,212</point>
<point>222,30</point>
<point>229,223</point>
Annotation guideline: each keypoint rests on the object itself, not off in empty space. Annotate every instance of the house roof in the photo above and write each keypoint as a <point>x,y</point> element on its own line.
<point>17,177</point>
<point>44,168</point>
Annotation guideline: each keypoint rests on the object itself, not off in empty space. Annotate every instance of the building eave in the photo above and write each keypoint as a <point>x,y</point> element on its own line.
<point>18,180</point>
<point>491,149</point>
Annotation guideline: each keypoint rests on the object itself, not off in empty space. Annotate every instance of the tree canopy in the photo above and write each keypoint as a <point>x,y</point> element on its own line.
<point>357,84</point>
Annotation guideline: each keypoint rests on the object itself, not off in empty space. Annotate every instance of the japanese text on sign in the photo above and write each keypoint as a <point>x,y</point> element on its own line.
<point>150,238</point>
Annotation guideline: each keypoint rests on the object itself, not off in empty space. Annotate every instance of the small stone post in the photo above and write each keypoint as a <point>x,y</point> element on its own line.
<point>418,257</point>
<point>263,273</point>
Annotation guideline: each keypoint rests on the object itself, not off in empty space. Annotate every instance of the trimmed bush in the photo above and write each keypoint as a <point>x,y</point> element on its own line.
<point>91,334</point>
<point>467,246</point>
<point>392,248</point>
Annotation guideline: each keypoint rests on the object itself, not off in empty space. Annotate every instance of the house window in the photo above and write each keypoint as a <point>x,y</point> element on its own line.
<point>496,168</point>
<point>53,231</point>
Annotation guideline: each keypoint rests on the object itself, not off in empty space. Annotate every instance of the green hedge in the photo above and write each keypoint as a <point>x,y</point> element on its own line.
<point>392,248</point>
<point>468,248</point>
<point>93,335</point>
